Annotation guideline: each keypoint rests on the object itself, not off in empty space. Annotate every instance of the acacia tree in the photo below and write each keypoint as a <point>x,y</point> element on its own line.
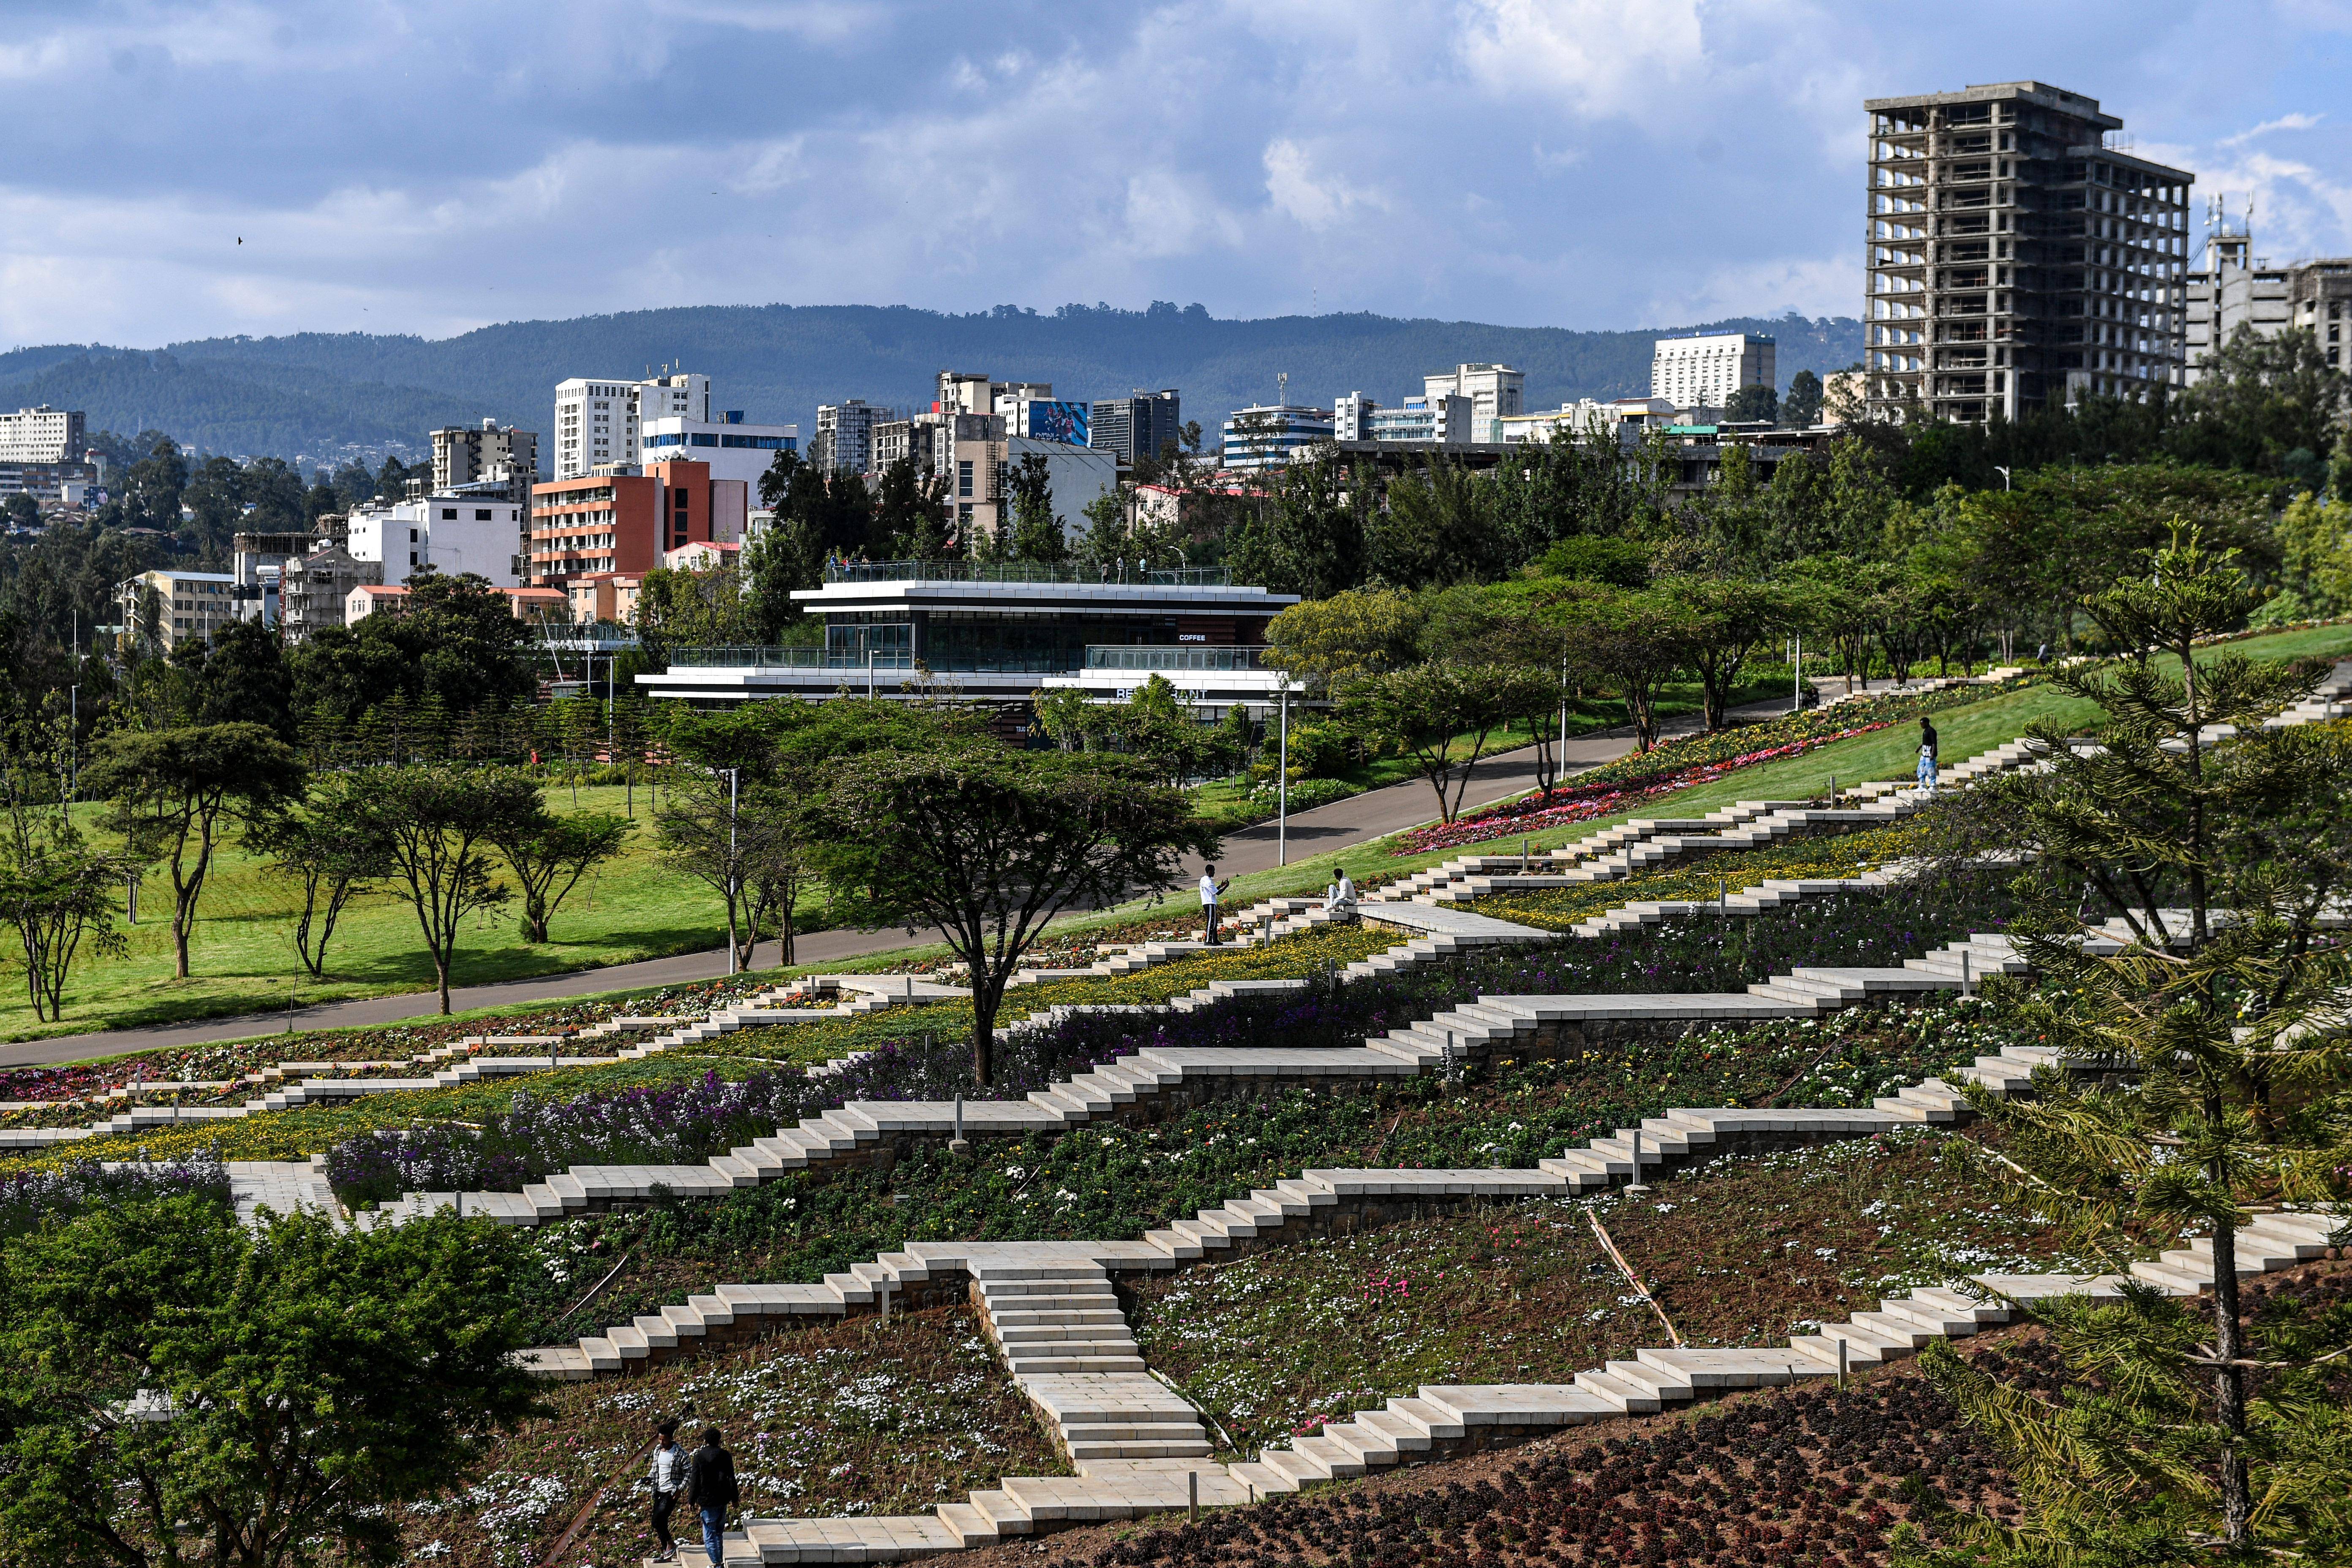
<point>1443,716</point>
<point>437,825</point>
<point>550,854</point>
<point>57,891</point>
<point>2181,1436</point>
<point>331,852</point>
<point>989,844</point>
<point>176,791</point>
<point>1728,619</point>
<point>179,1388</point>
<point>1631,643</point>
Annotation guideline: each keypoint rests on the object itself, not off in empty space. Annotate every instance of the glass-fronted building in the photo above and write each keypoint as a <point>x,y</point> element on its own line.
<point>1000,632</point>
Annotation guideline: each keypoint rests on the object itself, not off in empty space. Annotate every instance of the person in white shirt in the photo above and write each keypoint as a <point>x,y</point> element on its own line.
<point>1340,901</point>
<point>668,1477</point>
<point>1210,889</point>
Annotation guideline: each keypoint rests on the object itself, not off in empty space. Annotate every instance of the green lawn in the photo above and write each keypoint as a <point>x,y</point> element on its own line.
<point>242,951</point>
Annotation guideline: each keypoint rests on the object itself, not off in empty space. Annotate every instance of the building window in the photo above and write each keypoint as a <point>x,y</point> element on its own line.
<point>448,514</point>
<point>964,483</point>
<point>481,514</point>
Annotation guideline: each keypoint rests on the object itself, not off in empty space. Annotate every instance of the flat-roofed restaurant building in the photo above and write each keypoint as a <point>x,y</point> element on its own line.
<point>998,633</point>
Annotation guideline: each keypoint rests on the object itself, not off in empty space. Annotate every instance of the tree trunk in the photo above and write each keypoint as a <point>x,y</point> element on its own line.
<point>984,1002</point>
<point>2230,1384</point>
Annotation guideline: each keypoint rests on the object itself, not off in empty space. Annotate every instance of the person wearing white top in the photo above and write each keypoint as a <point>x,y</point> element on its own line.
<point>1339,902</point>
<point>1210,889</point>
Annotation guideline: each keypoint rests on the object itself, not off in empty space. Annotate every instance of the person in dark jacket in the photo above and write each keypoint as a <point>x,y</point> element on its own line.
<point>710,1484</point>
<point>1927,757</point>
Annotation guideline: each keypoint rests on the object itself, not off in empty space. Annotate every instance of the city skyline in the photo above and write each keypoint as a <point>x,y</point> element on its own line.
<point>185,170</point>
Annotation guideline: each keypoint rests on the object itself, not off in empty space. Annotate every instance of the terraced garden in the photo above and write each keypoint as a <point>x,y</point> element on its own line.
<point>1778,1476</point>
<point>891,1416</point>
<point>1738,1251</point>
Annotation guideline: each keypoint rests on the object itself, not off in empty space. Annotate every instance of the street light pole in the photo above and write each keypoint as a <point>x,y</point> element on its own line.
<point>1282,784</point>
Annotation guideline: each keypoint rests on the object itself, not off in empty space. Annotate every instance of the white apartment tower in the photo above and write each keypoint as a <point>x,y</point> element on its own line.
<point>1496,392</point>
<point>601,422</point>
<point>42,435</point>
<point>1702,372</point>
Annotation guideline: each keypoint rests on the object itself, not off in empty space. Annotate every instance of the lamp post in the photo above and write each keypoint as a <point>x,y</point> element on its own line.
<point>1282,781</point>
<point>2004,475</point>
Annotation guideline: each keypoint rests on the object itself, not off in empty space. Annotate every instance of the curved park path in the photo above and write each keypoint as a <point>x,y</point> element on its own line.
<point>1319,832</point>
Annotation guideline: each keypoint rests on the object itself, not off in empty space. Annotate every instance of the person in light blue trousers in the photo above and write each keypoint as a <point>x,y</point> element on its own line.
<point>1926,754</point>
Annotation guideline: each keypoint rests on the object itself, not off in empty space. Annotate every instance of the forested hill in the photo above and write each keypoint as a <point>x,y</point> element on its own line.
<point>310,394</point>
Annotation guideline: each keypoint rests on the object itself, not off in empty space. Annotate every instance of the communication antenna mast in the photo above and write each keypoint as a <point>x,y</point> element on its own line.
<point>1282,389</point>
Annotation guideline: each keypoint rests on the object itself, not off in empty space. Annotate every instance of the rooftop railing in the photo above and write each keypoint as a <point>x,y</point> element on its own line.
<point>1172,656</point>
<point>746,656</point>
<point>1021,572</point>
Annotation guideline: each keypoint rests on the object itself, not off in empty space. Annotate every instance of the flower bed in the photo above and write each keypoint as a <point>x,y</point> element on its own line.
<point>29,1199</point>
<point>1591,801</point>
<point>1112,1181</point>
<point>1680,763</point>
<point>1739,1251</point>
<point>1845,856</point>
<point>883,1418</point>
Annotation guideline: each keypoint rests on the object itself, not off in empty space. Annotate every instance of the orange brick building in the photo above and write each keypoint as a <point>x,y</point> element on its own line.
<point>624,522</point>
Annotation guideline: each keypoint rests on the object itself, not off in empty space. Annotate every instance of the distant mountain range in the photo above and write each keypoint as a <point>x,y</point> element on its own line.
<point>321,396</point>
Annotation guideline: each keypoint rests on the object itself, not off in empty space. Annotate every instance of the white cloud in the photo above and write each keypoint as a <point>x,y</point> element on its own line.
<point>1598,56</point>
<point>2283,122</point>
<point>1311,197</point>
<point>1810,286</point>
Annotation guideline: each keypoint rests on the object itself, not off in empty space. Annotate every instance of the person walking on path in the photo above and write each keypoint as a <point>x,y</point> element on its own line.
<point>668,1480</point>
<point>1210,889</point>
<point>1926,754</point>
<point>711,1483</point>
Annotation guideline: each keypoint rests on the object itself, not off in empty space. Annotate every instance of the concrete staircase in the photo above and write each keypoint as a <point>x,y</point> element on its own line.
<point>1441,1421</point>
<point>1139,1447</point>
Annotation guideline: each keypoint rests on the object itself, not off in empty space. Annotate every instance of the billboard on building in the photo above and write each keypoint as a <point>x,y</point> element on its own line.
<point>1054,420</point>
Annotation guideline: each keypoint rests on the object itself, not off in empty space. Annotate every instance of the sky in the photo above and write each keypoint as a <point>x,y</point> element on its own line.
<point>183,170</point>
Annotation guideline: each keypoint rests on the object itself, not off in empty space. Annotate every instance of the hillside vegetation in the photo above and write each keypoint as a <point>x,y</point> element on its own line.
<point>312,392</point>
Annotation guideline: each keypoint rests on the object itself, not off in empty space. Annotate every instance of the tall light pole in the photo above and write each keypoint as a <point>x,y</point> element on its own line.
<point>2004,475</point>
<point>1282,783</point>
<point>73,743</point>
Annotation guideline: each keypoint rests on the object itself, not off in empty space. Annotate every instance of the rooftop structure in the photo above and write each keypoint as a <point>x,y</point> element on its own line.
<point>998,633</point>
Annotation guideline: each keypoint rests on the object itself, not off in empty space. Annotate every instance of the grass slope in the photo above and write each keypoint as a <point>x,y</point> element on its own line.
<point>242,951</point>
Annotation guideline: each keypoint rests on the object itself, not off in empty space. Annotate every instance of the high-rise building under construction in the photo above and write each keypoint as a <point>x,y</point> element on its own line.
<point>2017,252</point>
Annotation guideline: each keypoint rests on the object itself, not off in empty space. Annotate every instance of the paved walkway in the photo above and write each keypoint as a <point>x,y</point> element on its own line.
<point>1335,826</point>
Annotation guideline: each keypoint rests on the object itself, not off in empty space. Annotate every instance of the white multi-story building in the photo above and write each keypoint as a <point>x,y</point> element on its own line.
<point>1496,392</point>
<point>1702,372</point>
<point>42,435</point>
<point>1351,417</point>
<point>602,422</point>
<point>734,449</point>
<point>1625,418</point>
<point>478,532</point>
<point>1270,435</point>
<point>1443,417</point>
